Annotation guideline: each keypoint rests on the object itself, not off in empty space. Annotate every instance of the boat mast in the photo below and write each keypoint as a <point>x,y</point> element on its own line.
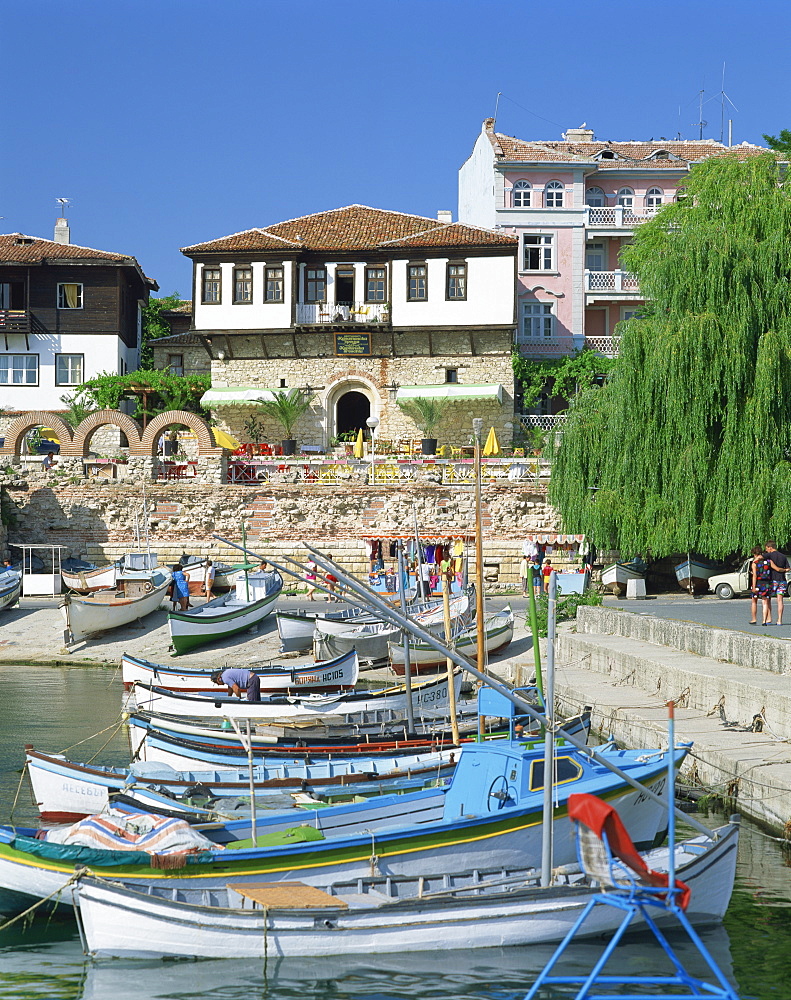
<point>477,429</point>
<point>549,736</point>
<point>407,666</point>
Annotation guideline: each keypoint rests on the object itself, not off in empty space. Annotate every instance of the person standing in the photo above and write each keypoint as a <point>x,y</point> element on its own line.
<point>238,679</point>
<point>310,577</point>
<point>425,578</point>
<point>180,587</point>
<point>780,565</point>
<point>761,586</point>
<point>208,580</point>
<point>546,573</point>
<point>331,580</point>
<point>524,574</point>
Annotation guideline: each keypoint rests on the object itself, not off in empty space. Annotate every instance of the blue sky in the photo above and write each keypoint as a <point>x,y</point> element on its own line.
<point>169,122</point>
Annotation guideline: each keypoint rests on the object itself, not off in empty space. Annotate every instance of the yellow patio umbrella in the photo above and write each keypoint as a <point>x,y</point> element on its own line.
<point>492,446</point>
<point>49,434</point>
<point>223,440</point>
<point>359,447</point>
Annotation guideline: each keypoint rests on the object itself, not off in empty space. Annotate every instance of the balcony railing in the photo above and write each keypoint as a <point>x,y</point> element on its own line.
<point>19,321</point>
<point>544,421</point>
<point>616,282</point>
<point>616,217</point>
<point>342,313</point>
<point>608,346</point>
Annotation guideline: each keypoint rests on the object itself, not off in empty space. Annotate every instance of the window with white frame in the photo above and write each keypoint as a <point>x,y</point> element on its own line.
<point>596,256</point>
<point>538,322</point>
<point>626,198</point>
<point>537,252</point>
<point>375,284</point>
<point>273,284</point>
<point>68,369</point>
<point>316,284</point>
<point>654,197</point>
<point>417,283</point>
<point>18,369</point>
<point>69,295</point>
<point>553,195</point>
<point>456,281</point>
<point>630,312</point>
<point>594,198</point>
<point>521,194</point>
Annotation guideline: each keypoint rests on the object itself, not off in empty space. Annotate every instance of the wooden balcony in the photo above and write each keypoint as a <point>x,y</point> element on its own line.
<point>343,315</point>
<point>19,321</point>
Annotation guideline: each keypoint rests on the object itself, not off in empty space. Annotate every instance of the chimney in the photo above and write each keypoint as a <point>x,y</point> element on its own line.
<point>443,215</point>
<point>581,134</point>
<point>62,231</point>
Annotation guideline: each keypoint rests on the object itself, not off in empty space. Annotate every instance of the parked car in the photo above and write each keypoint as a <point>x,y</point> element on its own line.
<point>727,585</point>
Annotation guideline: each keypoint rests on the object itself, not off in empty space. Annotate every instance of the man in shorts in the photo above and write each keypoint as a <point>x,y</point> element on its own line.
<point>779,566</point>
<point>238,679</point>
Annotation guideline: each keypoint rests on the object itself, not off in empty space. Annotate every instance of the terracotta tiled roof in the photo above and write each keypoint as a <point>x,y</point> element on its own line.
<point>355,227</point>
<point>627,154</point>
<point>17,248</point>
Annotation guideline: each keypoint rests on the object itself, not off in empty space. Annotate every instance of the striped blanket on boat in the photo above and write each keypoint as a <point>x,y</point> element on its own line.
<point>116,831</point>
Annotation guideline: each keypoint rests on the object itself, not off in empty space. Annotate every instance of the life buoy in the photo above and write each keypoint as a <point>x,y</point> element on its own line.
<point>148,587</point>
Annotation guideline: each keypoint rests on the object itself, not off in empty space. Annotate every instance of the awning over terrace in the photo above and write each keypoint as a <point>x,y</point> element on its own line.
<point>238,395</point>
<point>450,390</point>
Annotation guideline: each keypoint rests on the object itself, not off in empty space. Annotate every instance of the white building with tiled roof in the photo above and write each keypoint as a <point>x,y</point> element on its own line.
<point>365,306</point>
<point>67,313</point>
<point>573,205</point>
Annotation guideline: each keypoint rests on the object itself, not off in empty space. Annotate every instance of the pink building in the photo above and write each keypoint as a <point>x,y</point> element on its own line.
<point>573,205</point>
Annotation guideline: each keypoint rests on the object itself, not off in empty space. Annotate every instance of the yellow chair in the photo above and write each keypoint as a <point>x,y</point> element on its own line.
<point>444,451</point>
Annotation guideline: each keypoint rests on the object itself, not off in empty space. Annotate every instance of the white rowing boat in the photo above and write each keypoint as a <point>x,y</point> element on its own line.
<point>498,632</point>
<point>136,597</point>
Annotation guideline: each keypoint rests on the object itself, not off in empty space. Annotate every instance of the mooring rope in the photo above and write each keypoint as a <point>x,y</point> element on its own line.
<point>73,878</point>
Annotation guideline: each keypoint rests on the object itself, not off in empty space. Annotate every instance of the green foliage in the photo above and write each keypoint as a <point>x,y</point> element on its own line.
<point>427,412</point>
<point>566,609</point>
<point>164,392</point>
<point>687,445</point>
<point>78,410</point>
<point>780,143</point>
<point>566,376</point>
<point>154,326</point>
<point>287,407</point>
<point>254,429</point>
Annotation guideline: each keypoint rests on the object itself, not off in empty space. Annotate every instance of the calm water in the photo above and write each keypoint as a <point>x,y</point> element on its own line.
<point>55,708</point>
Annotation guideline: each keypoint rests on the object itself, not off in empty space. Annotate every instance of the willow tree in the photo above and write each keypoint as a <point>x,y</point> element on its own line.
<point>687,447</point>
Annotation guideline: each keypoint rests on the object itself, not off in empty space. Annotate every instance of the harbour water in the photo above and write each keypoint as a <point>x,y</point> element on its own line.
<point>57,708</point>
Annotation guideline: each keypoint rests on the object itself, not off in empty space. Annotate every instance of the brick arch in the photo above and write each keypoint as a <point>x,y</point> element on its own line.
<point>36,418</point>
<point>101,418</point>
<point>206,445</point>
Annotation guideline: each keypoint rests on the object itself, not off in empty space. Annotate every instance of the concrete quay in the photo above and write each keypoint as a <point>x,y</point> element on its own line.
<point>736,711</point>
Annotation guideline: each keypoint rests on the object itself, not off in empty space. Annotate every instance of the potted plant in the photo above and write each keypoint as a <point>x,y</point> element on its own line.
<point>286,408</point>
<point>427,412</point>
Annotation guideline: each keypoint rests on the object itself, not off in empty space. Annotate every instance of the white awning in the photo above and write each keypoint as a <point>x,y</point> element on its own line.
<point>450,390</point>
<point>238,395</point>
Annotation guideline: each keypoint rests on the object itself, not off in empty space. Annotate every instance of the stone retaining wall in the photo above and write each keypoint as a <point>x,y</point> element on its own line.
<point>746,650</point>
<point>96,518</point>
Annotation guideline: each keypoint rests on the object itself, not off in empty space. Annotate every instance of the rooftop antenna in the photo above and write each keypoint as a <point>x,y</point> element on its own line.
<point>64,204</point>
<point>496,107</point>
<point>723,98</point>
<point>701,124</point>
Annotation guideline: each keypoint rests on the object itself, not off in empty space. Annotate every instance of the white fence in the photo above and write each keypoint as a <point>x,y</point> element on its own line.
<point>329,314</point>
<point>616,282</point>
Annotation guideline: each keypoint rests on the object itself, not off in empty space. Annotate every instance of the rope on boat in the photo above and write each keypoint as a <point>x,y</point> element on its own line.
<point>117,723</point>
<point>112,736</point>
<point>73,878</point>
<point>16,796</point>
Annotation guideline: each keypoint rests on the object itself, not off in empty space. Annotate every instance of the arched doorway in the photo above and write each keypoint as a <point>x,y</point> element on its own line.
<point>351,411</point>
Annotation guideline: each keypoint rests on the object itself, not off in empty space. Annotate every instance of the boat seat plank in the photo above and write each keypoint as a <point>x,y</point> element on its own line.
<point>286,895</point>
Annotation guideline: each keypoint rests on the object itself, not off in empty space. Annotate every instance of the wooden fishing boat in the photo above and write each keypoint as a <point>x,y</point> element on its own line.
<point>498,632</point>
<point>617,575</point>
<point>134,597</point>
<point>371,639</point>
<point>65,791</point>
<point>490,814</point>
<point>10,588</point>
<point>694,574</point>
<point>227,615</point>
<point>332,675</point>
<point>428,696</point>
<point>382,915</point>
<point>296,627</point>
<point>89,580</point>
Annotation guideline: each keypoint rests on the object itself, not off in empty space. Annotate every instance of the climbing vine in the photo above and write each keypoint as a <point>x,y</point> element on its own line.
<point>563,377</point>
<point>686,446</point>
<point>163,391</point>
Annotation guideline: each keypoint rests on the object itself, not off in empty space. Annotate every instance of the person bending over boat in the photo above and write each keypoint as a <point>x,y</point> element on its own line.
<point>237,680</point>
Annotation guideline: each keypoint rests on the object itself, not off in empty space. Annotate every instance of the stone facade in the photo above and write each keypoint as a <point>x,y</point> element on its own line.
<point>422,359</point>
<point>97,519</point>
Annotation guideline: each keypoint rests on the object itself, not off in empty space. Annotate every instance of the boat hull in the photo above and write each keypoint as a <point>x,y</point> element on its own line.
<point>616,577</point>
<point>692,575</point>
<point>88,581</point>
<point>296,628</point>
<point>123,923</point>
<point>85,616</point>
<point>498,633</point>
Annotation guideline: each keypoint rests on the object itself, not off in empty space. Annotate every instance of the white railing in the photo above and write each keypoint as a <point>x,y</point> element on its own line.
<point>545,421</point>
<point>617,217</point>
<point>334,314</point>
<point>554,347</point>
<point>617,282</point>
<point>608,346</point>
